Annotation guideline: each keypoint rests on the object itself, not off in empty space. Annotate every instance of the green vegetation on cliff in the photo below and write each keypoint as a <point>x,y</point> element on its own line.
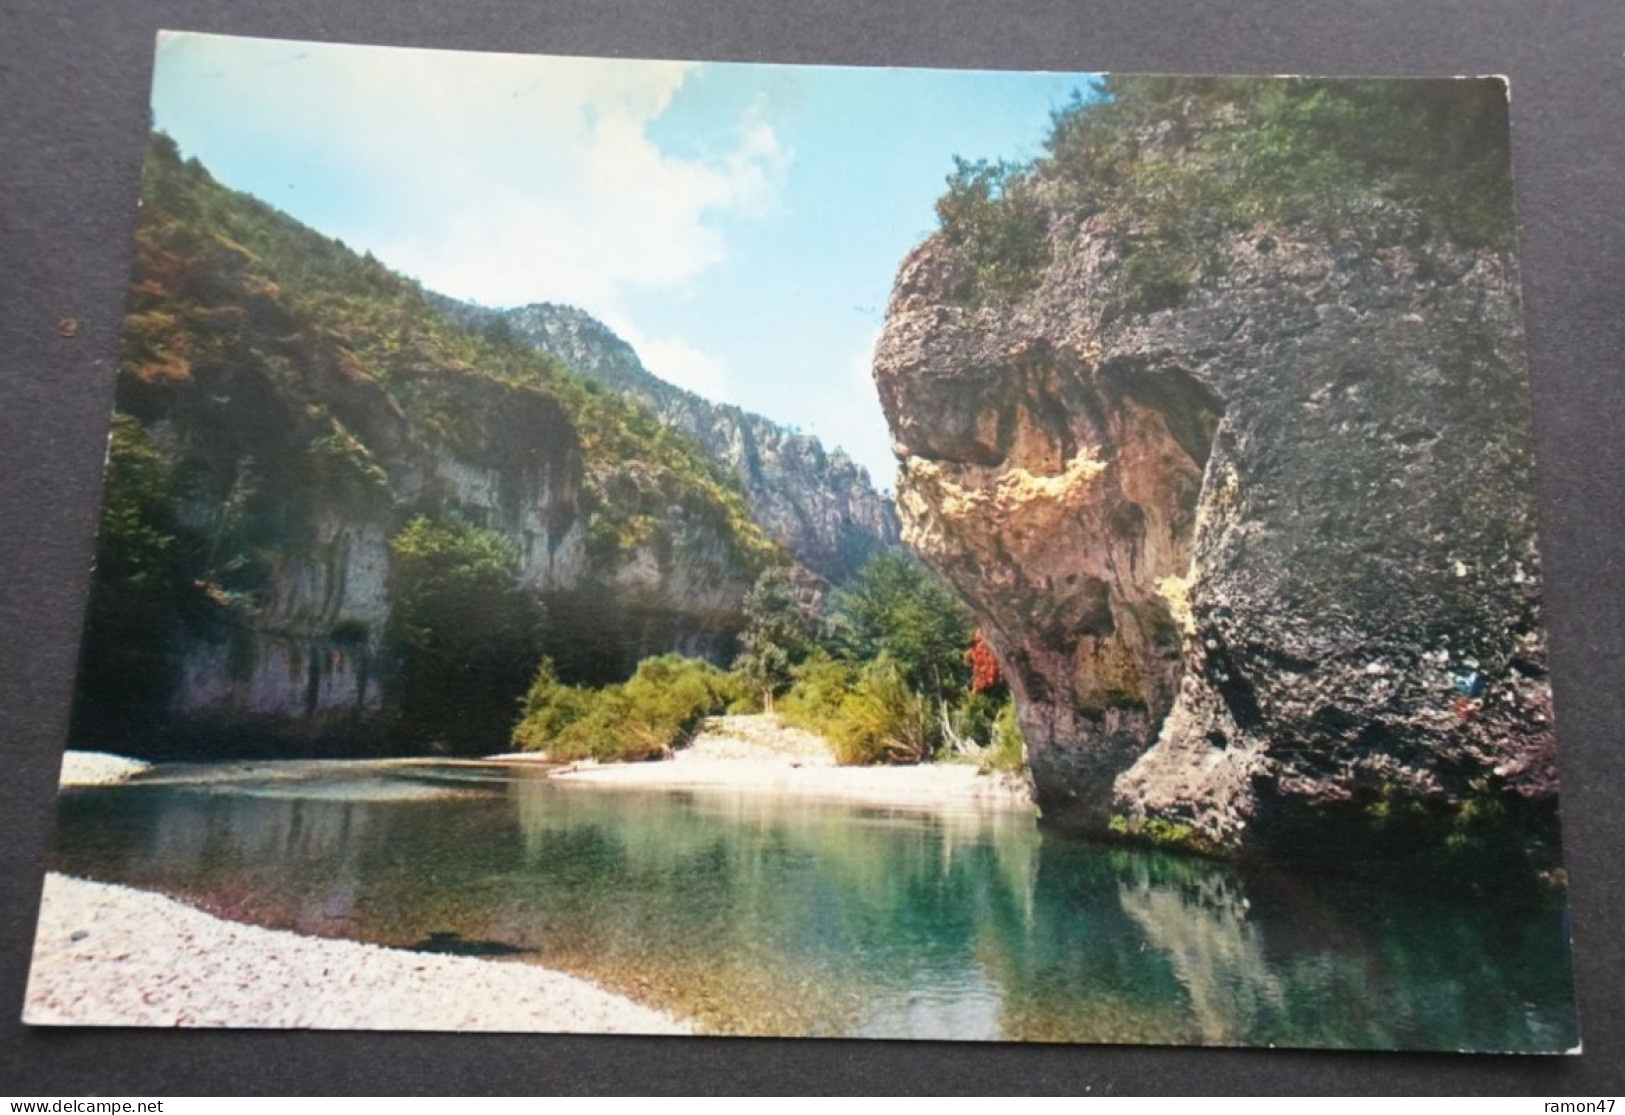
<point>212,262</point>
<point>301,438</point>
<point>464,637</point>
<point>1195,159</point>
<point>1280,320</point>
<point>143,586</point>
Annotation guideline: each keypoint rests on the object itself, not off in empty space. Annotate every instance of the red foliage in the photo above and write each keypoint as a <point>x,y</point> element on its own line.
<point>984,668</point>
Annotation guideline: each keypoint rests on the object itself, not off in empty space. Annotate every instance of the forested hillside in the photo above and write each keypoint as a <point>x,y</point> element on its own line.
<point>337,520</point>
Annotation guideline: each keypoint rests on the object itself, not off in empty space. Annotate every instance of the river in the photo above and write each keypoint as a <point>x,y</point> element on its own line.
<point>765,914</point>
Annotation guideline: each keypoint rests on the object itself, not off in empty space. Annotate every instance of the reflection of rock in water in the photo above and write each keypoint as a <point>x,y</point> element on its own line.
<point>1201,924</point>
<point>1267,957</point>
<point>1294,968</point>
<point>764,915</point>
<point>1075,967</point>
<point>1124,946</point>
<point>249,829</point>
<point>288,862</point>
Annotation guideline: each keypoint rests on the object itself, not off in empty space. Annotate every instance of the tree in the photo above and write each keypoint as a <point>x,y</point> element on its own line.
<point>989,214</point>
<point>984,667</point>
<point>777,635</point>
<point>464,634</point>
<point>900,608</point>
<point>140,592</point>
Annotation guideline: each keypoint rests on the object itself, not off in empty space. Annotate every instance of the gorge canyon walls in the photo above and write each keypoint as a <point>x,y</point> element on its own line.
<point>1251,528</point>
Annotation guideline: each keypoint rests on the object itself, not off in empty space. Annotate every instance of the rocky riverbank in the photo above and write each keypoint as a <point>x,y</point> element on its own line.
<point>113,956</point>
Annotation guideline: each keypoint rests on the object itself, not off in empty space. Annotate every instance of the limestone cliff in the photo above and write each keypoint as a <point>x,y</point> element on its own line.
<point>296,426</point>
<point>1247,514</point>
<point>817,503</point>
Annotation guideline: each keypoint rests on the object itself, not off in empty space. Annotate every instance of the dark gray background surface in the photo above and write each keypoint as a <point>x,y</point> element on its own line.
<point>73,93</point>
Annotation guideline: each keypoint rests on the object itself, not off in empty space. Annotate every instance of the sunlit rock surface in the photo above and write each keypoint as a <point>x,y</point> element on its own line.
<point>1257,562</point>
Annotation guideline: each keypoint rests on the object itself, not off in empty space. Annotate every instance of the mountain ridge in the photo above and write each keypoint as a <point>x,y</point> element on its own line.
<point>817,502</point>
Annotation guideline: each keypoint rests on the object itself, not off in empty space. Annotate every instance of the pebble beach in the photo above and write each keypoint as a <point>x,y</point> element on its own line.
<point>114,956</point>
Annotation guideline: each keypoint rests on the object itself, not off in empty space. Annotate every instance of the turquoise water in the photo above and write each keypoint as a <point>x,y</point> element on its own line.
<point>766,915</point>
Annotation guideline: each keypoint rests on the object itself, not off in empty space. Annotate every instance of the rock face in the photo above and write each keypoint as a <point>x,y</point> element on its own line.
<point>307,667</point>
<point>286,410</point>
<point>1259,564</point>
<point>817,503</point>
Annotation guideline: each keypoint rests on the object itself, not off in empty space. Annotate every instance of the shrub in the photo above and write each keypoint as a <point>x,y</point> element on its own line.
<point>1159,832</point>
<point>1156,277</point>
<point>822,685</point>
<point>984,665</point>
<point>1006,754</point>
<point>967,724</point>
<point>867,713</point>
<point>991,218</point>
<point>659,709</point>
<point>550,707</point>
<point>882,720</point>
<point>672,695</point>
<point>1193,159</point>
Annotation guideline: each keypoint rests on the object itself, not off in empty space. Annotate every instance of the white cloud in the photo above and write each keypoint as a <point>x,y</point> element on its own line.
<point>846,413</point>
<point>505,179</point>
<point>596,209</point>
<point>677,361</point>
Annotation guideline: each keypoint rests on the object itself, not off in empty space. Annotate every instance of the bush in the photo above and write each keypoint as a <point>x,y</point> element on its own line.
<point>1193,159</point>
<point>821,686</point>
<point>659,709</point>
<point>673,695</point>
<point>882,720</point>
<point>867,713</point>
<point>1006,754</point>
<point>550,708</point>
<point>990,217</point>
<point>967,724</point>
<point>1159,832</point>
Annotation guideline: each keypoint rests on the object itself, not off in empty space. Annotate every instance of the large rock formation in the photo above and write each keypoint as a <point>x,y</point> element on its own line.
<point>817,503</point>
<point>1257,553</point>
<point>290,416</point>
<point>302,662</point>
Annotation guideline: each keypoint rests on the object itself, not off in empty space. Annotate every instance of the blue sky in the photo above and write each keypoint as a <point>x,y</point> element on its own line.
<point>740,225</point>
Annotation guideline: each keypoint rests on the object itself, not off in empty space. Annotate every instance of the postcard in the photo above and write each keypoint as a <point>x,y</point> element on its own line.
<point>693,548</point>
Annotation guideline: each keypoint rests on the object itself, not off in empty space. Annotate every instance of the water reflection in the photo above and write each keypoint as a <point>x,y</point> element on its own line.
<point>760,914</point>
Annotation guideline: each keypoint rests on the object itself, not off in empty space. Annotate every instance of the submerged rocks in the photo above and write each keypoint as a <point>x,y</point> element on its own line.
<point>1258,560</point>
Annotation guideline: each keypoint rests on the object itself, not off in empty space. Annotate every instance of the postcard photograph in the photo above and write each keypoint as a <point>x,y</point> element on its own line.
<point>709,548</point>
